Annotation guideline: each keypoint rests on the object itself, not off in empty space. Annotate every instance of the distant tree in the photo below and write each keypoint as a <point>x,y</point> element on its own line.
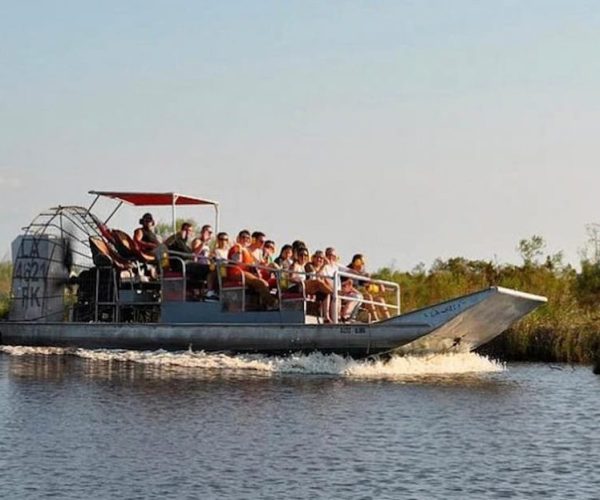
<point>165,229</point>
<point>420,269</point>
<point>591,251</point>
<point>587,284</point>
<point>531,249</point>
<point>555,262</point>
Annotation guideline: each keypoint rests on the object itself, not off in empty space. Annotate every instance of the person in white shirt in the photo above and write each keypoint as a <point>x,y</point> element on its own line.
<point>331,263</point>
<point>312,285</point>
<point>222,247</point>
<point>201,245</point>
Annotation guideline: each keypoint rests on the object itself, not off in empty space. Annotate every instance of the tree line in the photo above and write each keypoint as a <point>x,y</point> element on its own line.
<point>567,328</point>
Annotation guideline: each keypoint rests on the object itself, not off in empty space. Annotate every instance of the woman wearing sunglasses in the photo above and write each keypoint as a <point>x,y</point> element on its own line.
<point>313,283</point>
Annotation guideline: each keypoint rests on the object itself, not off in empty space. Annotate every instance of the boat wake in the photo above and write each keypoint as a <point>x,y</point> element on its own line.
<point>396,368</point>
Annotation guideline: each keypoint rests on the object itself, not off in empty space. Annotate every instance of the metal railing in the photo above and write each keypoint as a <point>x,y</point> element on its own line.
<point>221,265</point>
<point>337,297</point>
<point>167,280</point>
<point>110,295</point>
<point>105,302</point>
<point>106,294</point>
<point>281,276</point>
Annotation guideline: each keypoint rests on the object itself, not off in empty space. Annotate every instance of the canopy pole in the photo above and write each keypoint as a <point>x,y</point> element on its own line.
<point>216,205</point>
<point>113,212</point>
<point>92,205</point>
<point>173,214</point>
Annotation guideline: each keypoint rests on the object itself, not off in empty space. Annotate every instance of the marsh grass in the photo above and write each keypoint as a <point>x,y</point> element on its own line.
<point>566,329</point>
<point>5,279</point>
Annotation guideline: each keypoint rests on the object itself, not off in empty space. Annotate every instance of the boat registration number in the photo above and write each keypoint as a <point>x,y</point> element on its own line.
<point>356,329</point>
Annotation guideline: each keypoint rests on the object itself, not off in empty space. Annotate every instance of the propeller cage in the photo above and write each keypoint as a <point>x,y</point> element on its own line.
<point>53,248</point>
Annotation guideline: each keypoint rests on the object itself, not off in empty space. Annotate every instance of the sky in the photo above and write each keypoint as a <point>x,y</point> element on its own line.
<point>403,130</point>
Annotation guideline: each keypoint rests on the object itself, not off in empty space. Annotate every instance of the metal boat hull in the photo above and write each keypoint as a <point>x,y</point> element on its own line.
<point>354,340</point>
<point>459,325</point>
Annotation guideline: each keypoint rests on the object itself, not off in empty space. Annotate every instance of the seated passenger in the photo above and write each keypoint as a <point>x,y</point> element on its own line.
<point>331,265</point>
<point>296,246</point>
<point>222,247</point>
<point>349,307</point>
<point>201,245</point>
<point>357,266</point>
<point>145,238</point>
<point>268,252</point>
<point>316,285</point>
<point>268,263</point>
<point>318,261</point>
<point>284,261</point>
<point>180,243</point>
<point>240,254</point>
<point>256,247</point>
<point>332,261</point>
<point>220,251</point>
<point>321,271</point>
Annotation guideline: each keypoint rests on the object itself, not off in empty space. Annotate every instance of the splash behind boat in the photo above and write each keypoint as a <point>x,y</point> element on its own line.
<point>78,283</point>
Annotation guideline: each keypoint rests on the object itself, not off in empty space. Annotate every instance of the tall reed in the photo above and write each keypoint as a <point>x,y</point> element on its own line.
<point>5,279</point>
<point>566,329</point>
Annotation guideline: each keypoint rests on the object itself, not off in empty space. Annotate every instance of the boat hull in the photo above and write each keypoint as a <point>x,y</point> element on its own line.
<point>354,340</point>
<point>457,325</point>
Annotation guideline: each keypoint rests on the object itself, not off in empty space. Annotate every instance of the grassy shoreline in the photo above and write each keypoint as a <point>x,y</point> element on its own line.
<point>566,329</point>
<point>5,278</point>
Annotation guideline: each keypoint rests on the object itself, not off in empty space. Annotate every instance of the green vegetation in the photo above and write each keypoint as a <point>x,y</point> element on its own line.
<point>566,329</point>
<point>165,229</point>
<point>5,277</point>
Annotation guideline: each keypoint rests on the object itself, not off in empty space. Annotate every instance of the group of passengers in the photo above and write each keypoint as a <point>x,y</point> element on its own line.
<point>251,260</point>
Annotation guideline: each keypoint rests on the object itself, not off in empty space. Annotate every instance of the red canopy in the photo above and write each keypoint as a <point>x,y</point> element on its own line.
<point>154,199</point>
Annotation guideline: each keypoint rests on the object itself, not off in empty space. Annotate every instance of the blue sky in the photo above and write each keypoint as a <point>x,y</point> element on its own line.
<point>405,130</point>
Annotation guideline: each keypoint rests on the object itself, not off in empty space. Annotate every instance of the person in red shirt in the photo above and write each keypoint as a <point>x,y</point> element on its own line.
<point>240,254</point>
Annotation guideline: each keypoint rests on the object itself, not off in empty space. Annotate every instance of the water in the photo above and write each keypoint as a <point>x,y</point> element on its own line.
<point>106,424</point>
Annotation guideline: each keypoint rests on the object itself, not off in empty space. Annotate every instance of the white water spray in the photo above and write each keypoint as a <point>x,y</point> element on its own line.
<point>309,364</point>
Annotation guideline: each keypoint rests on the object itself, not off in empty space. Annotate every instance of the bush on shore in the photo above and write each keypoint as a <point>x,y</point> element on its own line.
<point>5,278</point>
<point>566,329</point>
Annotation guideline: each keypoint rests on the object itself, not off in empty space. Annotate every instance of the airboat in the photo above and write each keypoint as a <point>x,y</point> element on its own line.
<point>78,282</point>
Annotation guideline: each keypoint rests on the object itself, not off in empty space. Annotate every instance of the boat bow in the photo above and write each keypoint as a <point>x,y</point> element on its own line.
<point>465,323</point>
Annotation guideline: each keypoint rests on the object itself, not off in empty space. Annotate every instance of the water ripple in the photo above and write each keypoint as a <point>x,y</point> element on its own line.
<point>105,424</point>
